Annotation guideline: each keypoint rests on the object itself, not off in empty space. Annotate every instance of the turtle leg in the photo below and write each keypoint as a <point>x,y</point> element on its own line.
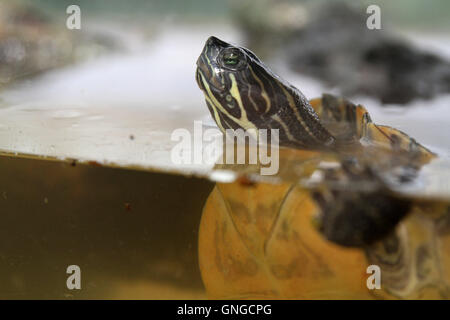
<point>357,217</point>
<point>386,137</point>
<point>349,122</point>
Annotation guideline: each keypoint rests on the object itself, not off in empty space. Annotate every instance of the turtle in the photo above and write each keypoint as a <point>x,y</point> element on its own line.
<point>32,42</point>
<point>337,213</point>
<point>331,41</point>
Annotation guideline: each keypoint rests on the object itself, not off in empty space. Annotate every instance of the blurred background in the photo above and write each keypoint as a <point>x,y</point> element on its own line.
<point>112,93</point>
<point>141,54</point>
<point>164,38</point>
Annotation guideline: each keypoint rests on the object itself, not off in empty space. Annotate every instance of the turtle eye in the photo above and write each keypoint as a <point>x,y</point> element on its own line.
<point>232,58</point>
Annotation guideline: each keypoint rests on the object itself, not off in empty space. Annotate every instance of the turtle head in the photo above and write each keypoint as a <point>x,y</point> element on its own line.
<point>230,77</point>
<point>241,92</point>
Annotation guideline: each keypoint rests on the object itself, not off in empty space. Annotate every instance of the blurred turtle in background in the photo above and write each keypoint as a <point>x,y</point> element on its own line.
<point>32,42</point>
<point>330,41</point>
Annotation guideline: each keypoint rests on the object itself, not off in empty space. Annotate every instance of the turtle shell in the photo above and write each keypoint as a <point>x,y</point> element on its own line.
<point>271,249</point>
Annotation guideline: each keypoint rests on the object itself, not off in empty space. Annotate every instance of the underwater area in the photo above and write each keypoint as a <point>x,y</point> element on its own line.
<point>90,117</point>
